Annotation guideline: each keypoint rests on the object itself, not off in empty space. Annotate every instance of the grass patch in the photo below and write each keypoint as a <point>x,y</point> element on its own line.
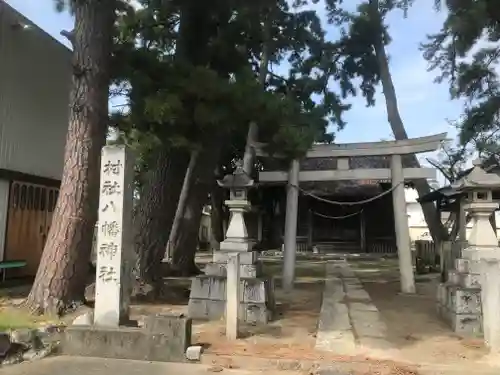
<point>387,264</point>
<point>303,268</point>
<point>15,319</point>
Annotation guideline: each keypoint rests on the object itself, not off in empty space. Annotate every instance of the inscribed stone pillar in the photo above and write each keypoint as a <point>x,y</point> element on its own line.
<point>290,241</point>
<point>490,297</point>
<point>401,226</point>
<point>115,256</point>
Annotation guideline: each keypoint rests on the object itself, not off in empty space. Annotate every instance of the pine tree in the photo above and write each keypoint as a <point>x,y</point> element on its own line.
<point>60,281</point>
<point>466,55</point>
<point>366,37</point>
<point>208,101</point>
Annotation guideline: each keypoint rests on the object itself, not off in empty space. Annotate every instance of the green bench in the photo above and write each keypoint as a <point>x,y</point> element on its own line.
<point>9,264</point>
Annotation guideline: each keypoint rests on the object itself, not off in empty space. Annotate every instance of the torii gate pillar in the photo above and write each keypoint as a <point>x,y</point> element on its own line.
<point>401,226</point>
<point>290,240</point>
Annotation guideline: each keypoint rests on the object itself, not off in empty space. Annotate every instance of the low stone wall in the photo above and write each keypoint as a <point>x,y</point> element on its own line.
<point>163,338</point>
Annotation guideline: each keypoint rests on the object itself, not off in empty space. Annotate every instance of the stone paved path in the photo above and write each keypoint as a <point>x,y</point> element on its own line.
<point>348,320</point>
<point>97,366</point>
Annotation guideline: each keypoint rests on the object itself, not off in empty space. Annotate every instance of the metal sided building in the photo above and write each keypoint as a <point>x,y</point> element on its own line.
<point>35,74</point>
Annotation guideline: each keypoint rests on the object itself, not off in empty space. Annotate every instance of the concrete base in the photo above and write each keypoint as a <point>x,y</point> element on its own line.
<point>208,292</point>
<point>459,299</point>
<point>163,338</point>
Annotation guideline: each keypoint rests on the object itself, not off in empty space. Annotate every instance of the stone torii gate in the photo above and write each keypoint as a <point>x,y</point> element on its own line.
<point>342,153</point>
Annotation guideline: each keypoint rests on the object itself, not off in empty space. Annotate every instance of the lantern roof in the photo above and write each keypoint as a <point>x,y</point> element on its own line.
<point>478,178</point>
<point>238,179</point>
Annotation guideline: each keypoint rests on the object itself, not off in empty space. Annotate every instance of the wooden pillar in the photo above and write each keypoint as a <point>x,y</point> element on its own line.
<point>290,241</point>
<point>259,227</point>
<point>462,221</point>
<point>401,226</point>
<point>309,229</point>
<point>4,210</point>
<point>362,231</point>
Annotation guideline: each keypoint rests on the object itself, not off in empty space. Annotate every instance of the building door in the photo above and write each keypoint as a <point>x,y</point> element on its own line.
<point>28,223</point>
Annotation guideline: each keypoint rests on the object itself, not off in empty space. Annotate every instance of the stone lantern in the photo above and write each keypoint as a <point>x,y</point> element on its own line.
<point>479,185</point>
<point>238,184</point>
<point>209,292</point>
<point>473,296</point>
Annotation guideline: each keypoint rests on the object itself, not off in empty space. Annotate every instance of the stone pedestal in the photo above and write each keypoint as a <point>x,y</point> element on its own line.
<point>256,293</point>
<point>208,292</point>
<point>459,299</point>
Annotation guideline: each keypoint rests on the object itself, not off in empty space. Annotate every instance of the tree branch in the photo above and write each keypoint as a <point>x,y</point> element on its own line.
<point>440,169</point>
<point>70,35</point>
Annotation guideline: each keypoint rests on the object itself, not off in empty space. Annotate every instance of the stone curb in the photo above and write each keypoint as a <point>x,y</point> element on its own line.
<point>311,365</point>
<point>255,363</point>
<point>252,362</point>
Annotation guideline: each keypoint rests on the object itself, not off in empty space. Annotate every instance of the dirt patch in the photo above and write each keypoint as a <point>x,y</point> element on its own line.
<point>293,332</point>
<point>328,364</point>
<point>413,325</point>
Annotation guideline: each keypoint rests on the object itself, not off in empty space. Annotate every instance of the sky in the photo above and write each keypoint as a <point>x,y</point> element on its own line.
<point>424,105</point>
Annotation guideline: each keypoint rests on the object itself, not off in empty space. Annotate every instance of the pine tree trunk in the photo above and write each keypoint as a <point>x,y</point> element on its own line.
<point>183,261</point>
<point>159,201</point>
<point>275,224</point>
<point>248,156</point>
<point>436,228</point>
<point>60,281</point>
<point>156,210</point>
<point>217,216</point>
<point>186,185</point>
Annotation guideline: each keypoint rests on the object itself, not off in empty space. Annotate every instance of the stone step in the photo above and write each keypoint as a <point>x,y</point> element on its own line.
<point>461,300</point>
<point>465,280</point>
<point>463,265</point>
<point>252,289</point>
<point>469,325</point>
<point>220,269</point>
<point>246,257</point>
<point>204,309</point>
<point>207,299</point>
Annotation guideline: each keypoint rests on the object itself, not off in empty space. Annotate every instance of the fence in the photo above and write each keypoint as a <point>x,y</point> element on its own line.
<point>427,257</point>
<point>302,247</point>
<point>381,246</point>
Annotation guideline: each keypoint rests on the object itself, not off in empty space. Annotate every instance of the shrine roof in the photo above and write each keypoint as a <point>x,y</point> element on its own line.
<point>327,163</point>
<point>337,187</point>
